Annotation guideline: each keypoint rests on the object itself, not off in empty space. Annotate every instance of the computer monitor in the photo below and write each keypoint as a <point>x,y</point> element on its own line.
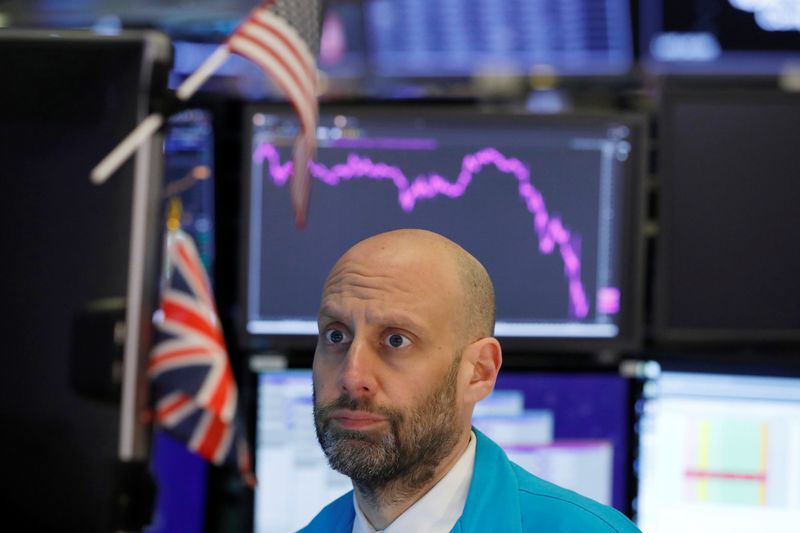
<point>550,205</point>
<point>719,452</point>
<point>458,38</point>
<point>570,428</point>
<point>719,36</point>
<point>727,264</point>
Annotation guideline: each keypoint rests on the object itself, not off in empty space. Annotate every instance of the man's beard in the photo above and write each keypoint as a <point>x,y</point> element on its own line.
<point>407,452</point>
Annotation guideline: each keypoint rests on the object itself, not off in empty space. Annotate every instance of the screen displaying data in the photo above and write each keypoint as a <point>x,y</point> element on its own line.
<point>571,429</point>
<point>726,36</point>
<point>410,38</point>
<point>719,452</point>
<point>549,205</point>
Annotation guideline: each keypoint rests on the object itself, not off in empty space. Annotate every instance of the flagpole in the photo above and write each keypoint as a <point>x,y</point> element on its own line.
<point>125,149</point>
<point>152,123</point>
<point>199,76</point>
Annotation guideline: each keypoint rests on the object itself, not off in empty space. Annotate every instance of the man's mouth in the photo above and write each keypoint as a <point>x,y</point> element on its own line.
<point>347,419</point>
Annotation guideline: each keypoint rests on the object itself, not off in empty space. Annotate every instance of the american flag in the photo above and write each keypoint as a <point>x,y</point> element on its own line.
<point>282,37</point>
<point>194,391</point>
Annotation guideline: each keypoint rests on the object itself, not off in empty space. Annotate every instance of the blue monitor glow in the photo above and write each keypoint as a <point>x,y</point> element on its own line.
<point>720,36</point>
<point>550,205</point>
<point>189,169</point>
<point>572,429</point>
<point>415,38</point>
<point>719,452</point>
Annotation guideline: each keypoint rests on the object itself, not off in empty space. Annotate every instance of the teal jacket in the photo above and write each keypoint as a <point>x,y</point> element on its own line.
<point>503,498</point>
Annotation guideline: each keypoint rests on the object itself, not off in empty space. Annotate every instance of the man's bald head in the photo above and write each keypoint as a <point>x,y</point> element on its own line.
<point>476,307</point>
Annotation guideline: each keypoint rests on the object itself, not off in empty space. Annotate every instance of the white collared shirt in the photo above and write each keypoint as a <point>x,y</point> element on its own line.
<point>439,509</point>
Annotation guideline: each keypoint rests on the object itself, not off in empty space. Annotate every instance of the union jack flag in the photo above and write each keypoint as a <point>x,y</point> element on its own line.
<point>282,37</point>
<point>194,391</point>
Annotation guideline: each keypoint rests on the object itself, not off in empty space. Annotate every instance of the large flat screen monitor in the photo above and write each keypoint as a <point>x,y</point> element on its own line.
<point>727,262</point>
<point>550,205</point>
<point>719,36</point>
<point>570,428</point>
<point>719,452</point>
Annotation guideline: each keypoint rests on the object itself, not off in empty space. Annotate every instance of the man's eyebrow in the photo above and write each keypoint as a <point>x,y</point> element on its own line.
<point>394,319</point>
<point>327,311</point>
<point>330,313</point>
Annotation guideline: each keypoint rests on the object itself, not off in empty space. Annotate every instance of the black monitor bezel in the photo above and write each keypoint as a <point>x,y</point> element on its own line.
<point>671,90</point>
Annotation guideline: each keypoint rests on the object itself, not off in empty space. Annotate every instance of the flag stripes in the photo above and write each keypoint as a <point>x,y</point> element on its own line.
<point>276,46</point>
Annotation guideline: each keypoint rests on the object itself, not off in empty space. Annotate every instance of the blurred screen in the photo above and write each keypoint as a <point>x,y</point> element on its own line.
<point>415,38</point>
<point>295,481</point>
<point>189,168</point>
<point>724,36</point>
<point>719,452</point>
<point>548,206</point>
<point>571,429</point>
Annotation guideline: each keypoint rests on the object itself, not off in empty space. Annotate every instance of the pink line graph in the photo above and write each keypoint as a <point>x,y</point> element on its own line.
<point>549,229</point>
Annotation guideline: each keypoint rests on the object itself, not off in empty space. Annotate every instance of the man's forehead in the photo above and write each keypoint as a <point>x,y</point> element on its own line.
<point>405,243</point>
<point>405,271</point>
<point>390,284</point>
<point>412,283</point>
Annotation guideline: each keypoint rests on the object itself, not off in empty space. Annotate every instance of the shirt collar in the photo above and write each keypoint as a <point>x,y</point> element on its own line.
<point>439,509</point>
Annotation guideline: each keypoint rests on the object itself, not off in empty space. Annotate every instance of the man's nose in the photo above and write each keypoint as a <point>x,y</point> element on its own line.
<point>357,377</point>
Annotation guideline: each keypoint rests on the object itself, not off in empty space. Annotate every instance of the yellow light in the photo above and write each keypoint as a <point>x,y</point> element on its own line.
<point>174,214</point>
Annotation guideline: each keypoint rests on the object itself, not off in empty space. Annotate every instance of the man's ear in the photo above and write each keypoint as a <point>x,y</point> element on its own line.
<point>486,357</point>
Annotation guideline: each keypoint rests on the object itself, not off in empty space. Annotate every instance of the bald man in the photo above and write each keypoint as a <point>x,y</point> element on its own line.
<point>405,351</point>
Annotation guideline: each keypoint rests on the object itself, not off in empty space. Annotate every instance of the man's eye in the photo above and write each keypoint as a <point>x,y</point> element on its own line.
<point>335,336</point>
<point>395,340</point>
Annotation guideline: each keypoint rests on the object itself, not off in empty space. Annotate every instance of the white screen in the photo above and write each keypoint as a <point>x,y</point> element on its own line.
<point>720,453</point>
